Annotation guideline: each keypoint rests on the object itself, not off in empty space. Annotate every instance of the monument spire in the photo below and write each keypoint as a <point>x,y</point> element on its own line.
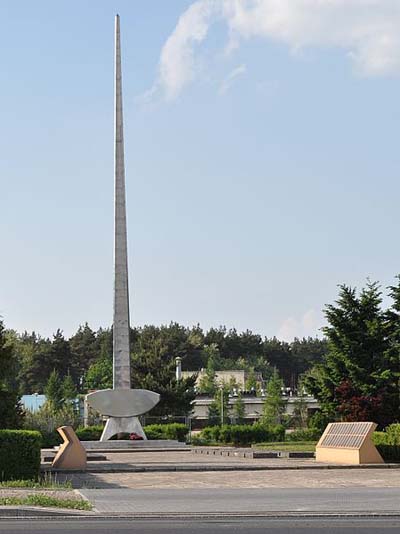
<point>121,404</point>
<point>121,360</point>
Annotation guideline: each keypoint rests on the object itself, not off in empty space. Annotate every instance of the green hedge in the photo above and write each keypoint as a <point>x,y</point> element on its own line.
<point>242,434</point>
<point>89,433</point>
<point>50,439</point>
<point>388,443</point>
<point>177,431</point>
<point>306,434</point>
<point>19,454</point>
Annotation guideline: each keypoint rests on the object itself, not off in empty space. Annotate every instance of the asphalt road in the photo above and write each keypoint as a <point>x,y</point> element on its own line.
<point>240,502</point>
<point>239,526</point>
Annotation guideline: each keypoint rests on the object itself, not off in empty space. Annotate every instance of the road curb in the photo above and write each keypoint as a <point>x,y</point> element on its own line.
<point>32,513</point>
<point>40,512</point>
<point>210,468</point>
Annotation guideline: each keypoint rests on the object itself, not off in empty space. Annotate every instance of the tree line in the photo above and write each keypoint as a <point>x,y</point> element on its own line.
<point>354,371</point>
<point>86,356</point>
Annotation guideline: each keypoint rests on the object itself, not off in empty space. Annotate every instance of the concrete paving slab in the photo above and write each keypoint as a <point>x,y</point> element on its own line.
<point>225,501</point>
<point>318,478</point>
<point>168,461</point>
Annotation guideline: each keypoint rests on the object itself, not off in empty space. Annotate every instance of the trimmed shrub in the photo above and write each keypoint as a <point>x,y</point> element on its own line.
<point>19,454</point>
<point>198,440</point>
<point>243,434</point>
<point>305,434</point>
<point>390,453</point>
<point>89,433</point>
<point>210,434</point>
<point>393,434</point>
<point>249,434</point>
<point>93,433</point>
<point>388,443</point>
<point>177,431</point>
<point>50,439</point>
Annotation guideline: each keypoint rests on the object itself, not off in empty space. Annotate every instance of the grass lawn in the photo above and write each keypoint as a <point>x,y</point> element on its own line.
<point>291,446</point>
<point>46,500</point>
<point>46,483</point>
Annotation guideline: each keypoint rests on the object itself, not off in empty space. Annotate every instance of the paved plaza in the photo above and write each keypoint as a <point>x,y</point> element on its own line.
<point>236,502</point>
<point>187,461</point>
<point>316,478</point>
<point>179,470</point>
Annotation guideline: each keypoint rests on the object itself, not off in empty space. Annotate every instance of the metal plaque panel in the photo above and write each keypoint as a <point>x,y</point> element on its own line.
<point>346,435</point>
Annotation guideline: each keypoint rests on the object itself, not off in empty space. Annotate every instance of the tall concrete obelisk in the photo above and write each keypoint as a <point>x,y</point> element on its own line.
<point>122,404</point>
<point>121,359</point>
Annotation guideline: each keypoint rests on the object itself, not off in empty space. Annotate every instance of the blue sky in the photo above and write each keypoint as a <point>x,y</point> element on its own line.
<point>262,159</point>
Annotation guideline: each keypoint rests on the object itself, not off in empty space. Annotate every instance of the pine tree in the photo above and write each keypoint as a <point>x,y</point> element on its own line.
<point>239,411</point>
<point>153,368</point>
<point>392,355</point>
<point>274,405</point>
<point>83,351</point>
<point>300,410</point>
<point>60,357</point>
<point>11,413</point>
<point>251,381</point>
<point>53,391</point>
<point>354,381</point>
<point>213,414</point>
<point>208,383</point>
<point>68,387</point>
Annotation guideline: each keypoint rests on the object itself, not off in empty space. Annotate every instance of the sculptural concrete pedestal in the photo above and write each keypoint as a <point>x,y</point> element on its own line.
<point>123,406</point>
<point>122,425</point>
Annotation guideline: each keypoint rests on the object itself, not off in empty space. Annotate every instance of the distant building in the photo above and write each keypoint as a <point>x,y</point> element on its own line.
<point>253,407</point>
<point>253,400</point>
<point>33,402</point>
<point>239,376</point>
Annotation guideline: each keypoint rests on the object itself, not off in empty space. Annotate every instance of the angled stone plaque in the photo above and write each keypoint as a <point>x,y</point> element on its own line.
<point>71,454</point>
<point>348,443</point>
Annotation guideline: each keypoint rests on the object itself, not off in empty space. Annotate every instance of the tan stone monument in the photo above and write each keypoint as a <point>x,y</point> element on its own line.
<point>71,454</point>
<point>348,443</point>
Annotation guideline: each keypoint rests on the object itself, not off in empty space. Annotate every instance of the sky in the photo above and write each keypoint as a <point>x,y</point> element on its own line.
<point>262,160</point>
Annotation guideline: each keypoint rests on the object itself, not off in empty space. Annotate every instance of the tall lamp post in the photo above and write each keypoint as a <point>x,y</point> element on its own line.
<point>222,404</point>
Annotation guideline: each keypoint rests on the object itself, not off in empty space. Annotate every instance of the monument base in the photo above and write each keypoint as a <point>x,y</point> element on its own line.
<point>122,425</point>
<point>136,445</point>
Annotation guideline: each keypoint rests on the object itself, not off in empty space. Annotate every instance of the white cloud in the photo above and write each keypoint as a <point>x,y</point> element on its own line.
<point>230,79</point>
<point>366,30</point>
<point>177,66</point>
<point>308,325</point>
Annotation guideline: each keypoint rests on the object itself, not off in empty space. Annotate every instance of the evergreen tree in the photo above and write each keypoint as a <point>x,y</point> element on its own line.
<point>274,404</point>
<point>53,391</point>
<point>60,357</point>
<point>392,355</point>
<point>213,414</point>
<point>208,382</point>
<point>251,381</point>
<point>279,356</point>
<point>153,368</point>
<point>300,410</point>
<point>69,391</point>
<point>33,355</point>
<point>11,413</point>
<point>354,381</point>
<point>83,349</point>
<point>239,410</point>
